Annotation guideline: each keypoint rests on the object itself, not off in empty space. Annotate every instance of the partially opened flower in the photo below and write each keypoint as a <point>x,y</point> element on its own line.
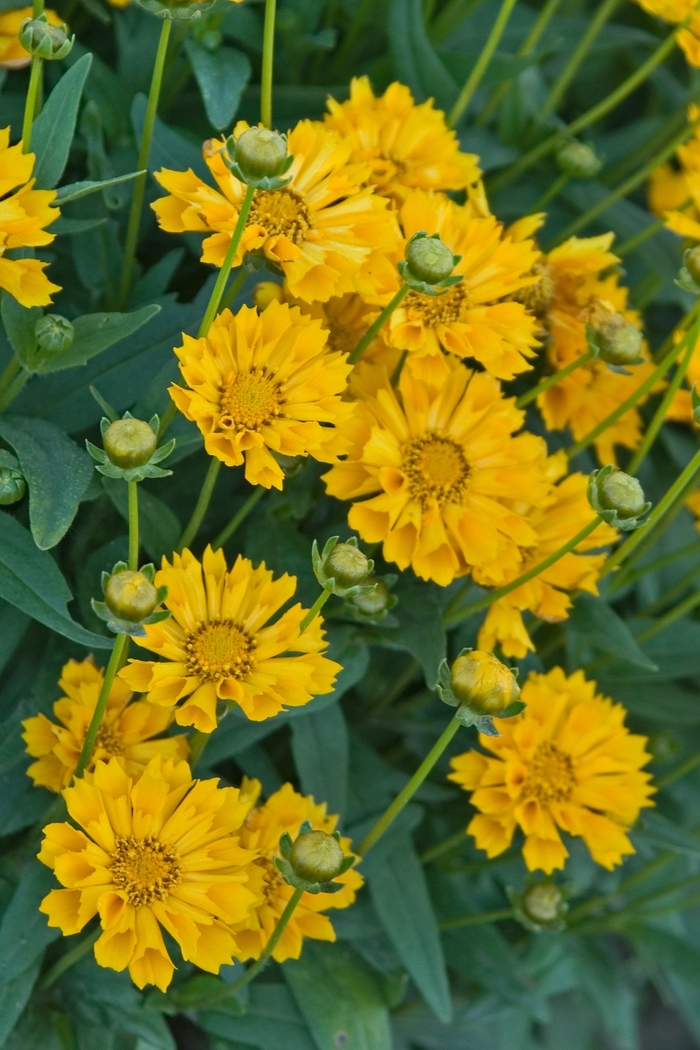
<point>12,54</point>
<point>567,762</point>
<point>218,644</point>
<point>126,732</point>
<point>162,852</point>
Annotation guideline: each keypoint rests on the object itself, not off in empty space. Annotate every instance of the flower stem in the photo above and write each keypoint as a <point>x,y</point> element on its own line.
<point>133,525</point>
<point>12,367</point>
<point>483,603</point>
<point>132,230</point>
<point>253,971</point>
<point>680,771</point>
<point>14,388</point>
<point>377,324</point>
<point>634,242</point>
<point>192,527</point>
<point>314,610</point>
<point>221,281</point>
<point>558,89</point>
<point>446,846</point>
<point>268,56</point>
<point>239,517</point>
<point>553,191</point>
<point>69,959</point>
<point>101,706</point>
<point>31,103</point>
<point>477,73</point>
<point>552,380</point>
<point>477,920</point>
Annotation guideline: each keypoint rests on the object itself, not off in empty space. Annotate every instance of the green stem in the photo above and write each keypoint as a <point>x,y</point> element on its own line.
<point>240,516</point>
<point>132,230</point>
<point>69,959</point>
<point>389,816</point>
<point>446,846</point>
<point>192,527</point>
<point>166,419</point>
<point>221,281</point>
<point>12,367</point>
<point>552,380</point>
<point>680,771</point>
<point>596,24</point>
<point>14,388</point>
<point>30,105</point>
<point>253,971</point>
<point>632,243</point>
<point>377,324</point>
<point>475,77</point>
<point>133,525</point>
<point>483,603</point>
<point>101,706</point>
<point>314,610</point>
<point>267,63</point>
<point>229,296</point>
<point>553,191</point>
<point>629,883</point>
<point>476,920</point>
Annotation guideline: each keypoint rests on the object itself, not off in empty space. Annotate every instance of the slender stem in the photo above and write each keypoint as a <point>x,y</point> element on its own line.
<point>253,971</point>
<point>680,771</point>
<point>446,846</point>
<point>14,388</point>
<point>12,367</point>
<point>133,525</point>
<point>314,610</point>
<point>267,63</point>
<point>69,959</point>
<point>553,191</point>
<point>167,418</point>
<point>30,105</point>
<point>239,517</point>
<point>677,613</point>
<point>678,588</point>
<point>101,706</point>
<point>477,920</point>
<point>558,89</point>
<point>221,281</point>
<point>689,902</point>
<point>192,527</point>
<point>377,324</point>
<point>483,603</point>
<point>552,380</point>
<point>475,77</point>
<point>389,816</point>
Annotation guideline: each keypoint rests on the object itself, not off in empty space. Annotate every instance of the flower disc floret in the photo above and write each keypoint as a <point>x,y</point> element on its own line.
<point>348,565</point>
<point>40,37</point>
<point>618,498</point>
<point>579,160</point>
<point>13,485</point>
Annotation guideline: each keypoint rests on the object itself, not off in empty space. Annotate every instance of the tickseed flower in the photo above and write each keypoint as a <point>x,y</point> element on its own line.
<point>261,384</point>
<point>216,645</point>
<point>674,192</point>
<point>12,54</point>
<point>286,811</point>
<point>447,480</point>
<point>24,214</point>
<point>164,852</point>
<point>568,762</point>
<point>126,733</point>
<point>325,230</point>
<point>675,11</point>
<point>407,146</point>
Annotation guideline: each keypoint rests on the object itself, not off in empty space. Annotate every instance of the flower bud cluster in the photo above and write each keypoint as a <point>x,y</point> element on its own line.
<point>42,40</point>
<point>617,498</point>
<point>428,264</point>
<point>130,449</point>
<point>342,568</point>
<point>130,600</point>
<point>313,860</point>
<point>481,688</point>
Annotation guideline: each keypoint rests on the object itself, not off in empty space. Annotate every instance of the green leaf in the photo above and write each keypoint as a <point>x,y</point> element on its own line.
<point>459,65</point>
<point>655,830</point>
<point>320,749</point>
<point>667,702</point>
<point>24,931</point>
<point>675,651</point>
<point>63,227</point>
<point>57,473</point>
<point>604,986</point>
<point>74,190</point>
<point>415,60</point>
<point>18,322</point>
<point>159,527</point>
<point>53,129</point>
<point>420,629</point>
<point>273,1021</point>
<point>341,1003</point>
<point>221,75</point>
<point>602,628</point>
<point>14,996</point>
<point>667,951</point>
<point>97,332</point>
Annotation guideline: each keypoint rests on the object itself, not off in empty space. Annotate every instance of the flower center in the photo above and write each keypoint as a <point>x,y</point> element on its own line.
<point>108,740</point>
<point>550,776</point>
<point>436,468</point>
<point>538,297</point>
<point>273,879</point>
<point>219,649</point>
<point>145,868</point>
<point>281,212</point>
<point>433,310</point>
<point>249,400</point>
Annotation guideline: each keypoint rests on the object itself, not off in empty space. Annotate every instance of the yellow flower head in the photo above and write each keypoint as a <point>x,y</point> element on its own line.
<point>568,762</point>
<point>327,231</point>
<point>406,146</point>
<point>675,192</point>
<point>218,644</point>
<point>125,733</point>
<point>286,810</point>
<point>676,11</point>
<point>160,852</point>
<point>447,480</point>
<point>264,383</point>
<point>12,54</point>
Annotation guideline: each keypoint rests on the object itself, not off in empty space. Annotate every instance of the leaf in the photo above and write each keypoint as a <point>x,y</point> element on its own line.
<point>24,931</point>
<point>168,149</point>
<point>159,527</point>
<point>415,60</point>
<point>97,332</point>
<point>273,1021</point>
<point>74,190</point>
<point>320,749</point>
<point>675,651</point>
<point>667,951</point>
<point>665,702</point>
<point>14,996</point>
<point>18,322</point>
<point>603,629</point>
<point>53,129</point>
<point>57,473</point>
<point>72,227</point>
<point>221,75</point>
<point>420,629</point>
<point>654,829</point>
<point>340,1001</point>
<point>459,65</point>
<point>603,985</point>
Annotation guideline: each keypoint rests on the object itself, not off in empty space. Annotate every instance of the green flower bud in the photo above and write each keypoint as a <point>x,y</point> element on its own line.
<point>316,857</point>
<point>260,153</point>
<point>542,902</point>
<point>578,160</point>
<point>375,602</point>
<point>40,38</point>
<point>348,565</point>
<point>483,683</point>
<point>12,486</point>
<point>429,259</point>
<point>129,442</point>
<point>691,261</point>
<point>621,493</point>
<point>54,333</point>
<point>130,596</point>
<point>620,344</point>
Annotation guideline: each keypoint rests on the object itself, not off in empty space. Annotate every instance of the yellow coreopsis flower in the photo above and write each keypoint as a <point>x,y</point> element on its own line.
<point>328,232</point>
<point>12,54</point>
<point>262,384</point>
<point>160,852</point>
<point>406,146</point>
<point>676,11</point>
<point>447,480</point>
<point>287,810</point>
<point>126,731</point>
<point>675,192</point>
<point>568,762</point>
<point>218,644</point>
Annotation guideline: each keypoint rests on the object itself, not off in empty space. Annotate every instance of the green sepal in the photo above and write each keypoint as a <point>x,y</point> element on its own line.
<point>612,517</point>
<point>465,714</point>
<point>383,618</point>
<point>422,287</point>
<point>263,182</point>
<point>146,470</point>
<point>286,845</point>
<point>319,562</point>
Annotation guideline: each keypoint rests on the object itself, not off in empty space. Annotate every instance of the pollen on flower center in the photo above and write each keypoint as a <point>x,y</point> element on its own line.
<point>249,400</point>
<point>439,309</point>
<point>219,649</point>
<point>145,868</point>
<point>550,775</point>
<point>436,468</point>
<point>109,741</point>
<point>281,212</point>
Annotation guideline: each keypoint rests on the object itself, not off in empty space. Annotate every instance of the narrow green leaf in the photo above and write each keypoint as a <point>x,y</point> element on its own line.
<point>601,627</point>
<point>420,629</point>
<point>53,129</point>
<point>273,1021</point>
<point>24,931</point>
<point>74,190</point>
<point>18,322</point>
<point>72,227</point>
<point>320,748</point>
<point>415,60</point>
<point>95,333</point>
<point>221,75</point>
<point>14,996</point>
<point>668,951</point>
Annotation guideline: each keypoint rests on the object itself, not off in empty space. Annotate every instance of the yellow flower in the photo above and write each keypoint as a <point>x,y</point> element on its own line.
<point>286,810</point>
<point>24,214</point>
<point>264,383</point>
<point>163,851</point>
<point>452,480</point>
<point>12,54</point>
<point>125,732</point>
<point>325,230</point>
<point>693,505</point>
<point>568,762</point>
<point>406,146</point>
<point>676,11</point>
<point>216,645</point>
<point>669,189</point>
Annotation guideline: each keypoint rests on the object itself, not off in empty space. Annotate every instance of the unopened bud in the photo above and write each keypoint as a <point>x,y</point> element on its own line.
<point>130,595</point>
<point>542,902</point>
<point>12,483</point>
<point>375,602</point>
<point>40,38</point>
<point>260,153</point>
<point>317,857</point>
<point>578,160</point>
<point>54,333</point>
<point>348,565</point>
<point>429,259</point>
<point>621,493</point>
<point>483,683</point>
<point>129,443</point>
<point>620,344</point>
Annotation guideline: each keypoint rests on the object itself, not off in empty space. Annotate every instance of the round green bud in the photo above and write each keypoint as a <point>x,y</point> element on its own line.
<point>578,160</point>
<point>622,493</point>
<point>375,602</point>
<point>12,486</point>
<point>542,902</point>
<point>347,565</point>
<point>54,333</point>
<point>130,595</point>
<point>260,153</point>
<point>483,683</point>
<point>316,857</point>
<point>40,38</point>
<point>691,261</point>
<point>129,443</point>
<point>620,343</point>
<point>429,259</point>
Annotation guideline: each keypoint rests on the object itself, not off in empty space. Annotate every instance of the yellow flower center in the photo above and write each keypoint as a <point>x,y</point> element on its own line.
<point>108,740</point>
<point>145,868</point>
<point>433,310</point>
<point>273,880</point>
<point>281,212</point>
<point>219,649</point>
<point>538,297</point>
<point>436,468</point>
<point>249,400</point>
<point>550,776</point>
